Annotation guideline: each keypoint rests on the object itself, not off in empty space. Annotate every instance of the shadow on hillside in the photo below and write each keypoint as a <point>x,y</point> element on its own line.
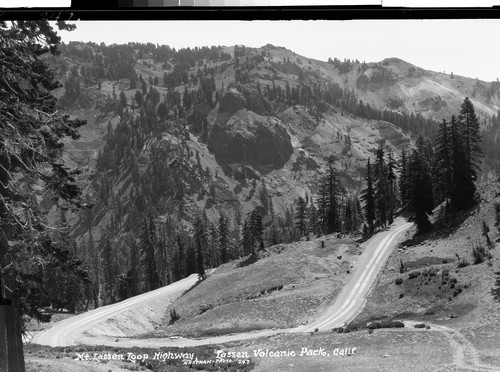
<point>443,227</point>
<point>495,291</point>
<point>447,224</point>
<point>248,261</point>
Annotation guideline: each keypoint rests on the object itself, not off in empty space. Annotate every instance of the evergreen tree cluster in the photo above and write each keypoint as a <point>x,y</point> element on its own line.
<point>429,175</point>
<point>458,154</point>
<point>381,194</point>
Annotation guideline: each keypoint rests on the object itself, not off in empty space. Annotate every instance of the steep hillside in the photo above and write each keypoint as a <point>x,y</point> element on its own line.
<point>173,136</point>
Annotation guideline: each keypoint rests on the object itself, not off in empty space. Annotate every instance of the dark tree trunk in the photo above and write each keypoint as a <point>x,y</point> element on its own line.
<point>11,343</point>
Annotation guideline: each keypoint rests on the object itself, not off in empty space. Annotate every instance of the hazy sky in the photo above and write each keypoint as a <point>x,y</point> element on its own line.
<point>464,47</point>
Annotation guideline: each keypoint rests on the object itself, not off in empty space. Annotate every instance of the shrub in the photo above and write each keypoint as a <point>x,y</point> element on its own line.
<point>399,281</point>
<point>351,327</point>
<point>479,253</point>
<point>462,263</point>
<point>414,274</point>
<point>202,309</point>
<point>420,325</point>
<point>173,316</point>
<point>386,324</point>
<point>401,295</point>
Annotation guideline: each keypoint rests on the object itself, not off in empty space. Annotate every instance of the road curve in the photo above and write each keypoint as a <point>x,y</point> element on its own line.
<point>70,331</point>
<point>346,306</point>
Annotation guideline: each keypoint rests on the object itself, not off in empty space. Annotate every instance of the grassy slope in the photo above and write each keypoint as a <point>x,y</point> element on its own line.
<point>287,286</point>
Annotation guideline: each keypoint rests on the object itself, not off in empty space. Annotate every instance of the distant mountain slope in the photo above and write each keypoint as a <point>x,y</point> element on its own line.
<point>223,132</point>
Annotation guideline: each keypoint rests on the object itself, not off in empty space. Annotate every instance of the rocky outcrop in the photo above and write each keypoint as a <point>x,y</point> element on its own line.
<point>239,96</point>
<point>243,135</point>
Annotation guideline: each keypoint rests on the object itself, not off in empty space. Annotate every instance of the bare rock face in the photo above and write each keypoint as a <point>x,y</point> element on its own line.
<point>239,96</point>
<point>243,135</point>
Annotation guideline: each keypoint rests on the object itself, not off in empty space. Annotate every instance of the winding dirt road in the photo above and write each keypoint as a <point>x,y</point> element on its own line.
<point>71,331</point>
<point>352,298</point>
<point>347,305</point>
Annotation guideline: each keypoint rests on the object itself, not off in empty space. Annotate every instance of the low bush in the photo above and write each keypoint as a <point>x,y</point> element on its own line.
<point>386,324</point>
<point>173,316</point>
<point>420,325</point>
<point>399,281</point>
<point>462,263</point>
<point>414,274</point>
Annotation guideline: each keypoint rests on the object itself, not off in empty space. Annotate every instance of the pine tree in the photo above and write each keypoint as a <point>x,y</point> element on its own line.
<point>148,245</point>
<point>334,189</point>
<point>274,237</point>
<point>301,217</point>
<point>381,186</point>
<point>108,270</point>
<point>470,132</point>
<point>323,207</point>
<point>313,221</point>
<point>463,189</point>
<point>421,199</point>
<point>214,260</point>
<point>180,259</point>
<point>444,168</point>
<point>123,99</point>
<point>392,200</point>
<point>200,243</point>
<point>368,196</point>
<point>224,239</point>
<point>403,179</point>
<point>256,230</point>
<point>246,237</point>
<point>134,269</point>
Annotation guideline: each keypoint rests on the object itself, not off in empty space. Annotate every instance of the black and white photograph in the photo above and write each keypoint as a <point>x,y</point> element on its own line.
<point>249,195</point>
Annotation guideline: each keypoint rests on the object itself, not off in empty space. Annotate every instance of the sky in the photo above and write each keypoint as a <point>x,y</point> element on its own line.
<point>464,47</point>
